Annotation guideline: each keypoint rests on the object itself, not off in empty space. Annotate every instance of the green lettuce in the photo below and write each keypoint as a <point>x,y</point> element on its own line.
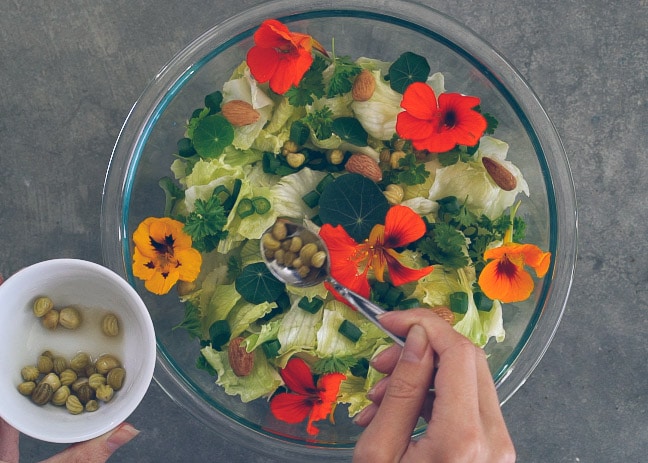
<point>261,382</point>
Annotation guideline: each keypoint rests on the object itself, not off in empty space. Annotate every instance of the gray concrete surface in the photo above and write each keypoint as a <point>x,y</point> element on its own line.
<point>71,69</point>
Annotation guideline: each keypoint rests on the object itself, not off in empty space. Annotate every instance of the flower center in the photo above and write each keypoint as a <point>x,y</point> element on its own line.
<point>506,267</point>
<point>449,119</point>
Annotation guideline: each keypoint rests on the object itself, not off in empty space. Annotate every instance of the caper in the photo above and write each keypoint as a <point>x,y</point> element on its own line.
<point>106,362</point>
<point>82,381</point>
<point>115,378</point>
<point>60,364</point>
<point>70,318</point>
<point>105,393</point>
<point>92,406</point>
<point>318,259</point>
<point>42,305</point>
<point>51,319</point>
<point>44,364</point>
<point>26,387</point>
<point>60,395</point>
<point>96,380</point>
<point>42,393</point>
<point>73,404</point>
<point>80,361</point>
<point>295,244</point>
<point>269,242</point>
<point>68,376</point>
<point>307,252</point>
<point>48,353</point>
<point>53,380</point>
<point>110,325</point>
<point>279,231</point>
<point>85,393</point>
<point>90,370</point>
<point>30,373</point>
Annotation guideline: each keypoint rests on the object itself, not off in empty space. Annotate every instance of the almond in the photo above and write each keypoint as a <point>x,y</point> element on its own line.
<point>364,86</point>
<point>444,313</point>
<point>363,164</point>
<point>239,113</point>
<point>502,177</point>
<point>241,361</point>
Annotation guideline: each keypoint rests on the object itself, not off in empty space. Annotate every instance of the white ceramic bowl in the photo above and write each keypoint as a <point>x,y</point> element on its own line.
<point>94,290</point>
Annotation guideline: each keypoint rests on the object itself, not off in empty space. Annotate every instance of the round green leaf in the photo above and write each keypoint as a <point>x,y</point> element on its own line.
<point>356,203</point>
<point>408,68</point>
<point>256,284</point>
<point>350,130</point>
<point>211,135</point>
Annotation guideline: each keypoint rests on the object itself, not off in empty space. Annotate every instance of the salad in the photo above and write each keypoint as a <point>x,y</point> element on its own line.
<point>404,180</point>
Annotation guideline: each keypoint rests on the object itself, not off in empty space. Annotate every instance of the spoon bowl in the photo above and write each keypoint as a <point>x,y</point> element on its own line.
<point>298,257</point>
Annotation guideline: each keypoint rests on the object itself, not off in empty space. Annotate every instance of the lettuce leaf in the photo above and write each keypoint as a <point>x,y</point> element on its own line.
<point>261,382</point>
<point>378,114</point>
<point>288,192</point>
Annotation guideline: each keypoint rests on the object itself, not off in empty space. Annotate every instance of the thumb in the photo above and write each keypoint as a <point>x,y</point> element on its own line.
<point>96,450</point>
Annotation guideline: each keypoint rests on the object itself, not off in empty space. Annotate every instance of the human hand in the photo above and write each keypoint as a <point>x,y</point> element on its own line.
<point>465,423</point>
<point>96,450</point>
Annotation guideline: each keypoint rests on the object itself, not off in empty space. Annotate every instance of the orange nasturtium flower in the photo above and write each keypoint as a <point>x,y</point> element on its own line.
<point>438,125</point>
<point>163,254</point>
<point>350,261</point>
<point>305,399</point>
<point>280,56</point>
<point>504,277</point>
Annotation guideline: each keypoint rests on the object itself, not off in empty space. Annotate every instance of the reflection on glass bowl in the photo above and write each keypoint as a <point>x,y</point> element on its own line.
<point>145,148</point>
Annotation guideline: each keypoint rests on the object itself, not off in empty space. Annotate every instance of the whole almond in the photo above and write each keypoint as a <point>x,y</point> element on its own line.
<point>241,361</point>
<point>502,177</point>
<point>363,164</point>
<point>444,313</point>
<point>239,113</point>
<point>364,86</point>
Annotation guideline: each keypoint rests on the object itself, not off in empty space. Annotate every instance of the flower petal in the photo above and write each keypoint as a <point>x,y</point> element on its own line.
<point>161,282</point>
<point>505,281</point>
<point>291,408</point>
<point>420,101</point>
<point>402,227</point>
<point>263,63</point>
<point>190,261</point>
<point>399,274</point>
<point>298,377</point>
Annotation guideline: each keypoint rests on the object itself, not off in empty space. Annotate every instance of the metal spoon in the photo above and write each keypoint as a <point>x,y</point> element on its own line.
<point>291,275</point>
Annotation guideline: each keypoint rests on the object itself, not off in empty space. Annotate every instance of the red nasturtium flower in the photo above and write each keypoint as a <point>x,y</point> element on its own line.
<point>504,277</point>
<point>280,56</point>
<point>438,125</point>
<point>305,399</point>
<point>350,261</point>
<point>163,254</point>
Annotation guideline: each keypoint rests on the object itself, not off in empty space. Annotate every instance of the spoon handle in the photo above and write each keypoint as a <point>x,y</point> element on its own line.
<point>365,307</point>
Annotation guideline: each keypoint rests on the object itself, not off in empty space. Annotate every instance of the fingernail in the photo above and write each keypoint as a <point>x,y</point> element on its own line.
<point>122,435</point>
<point>415,344</point>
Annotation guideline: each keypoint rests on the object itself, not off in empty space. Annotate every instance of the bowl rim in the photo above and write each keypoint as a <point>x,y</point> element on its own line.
<point>144,374</point>
<point>426,20</point>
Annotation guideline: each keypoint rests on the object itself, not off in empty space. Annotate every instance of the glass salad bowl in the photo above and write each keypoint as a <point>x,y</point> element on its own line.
<point>148,145</point>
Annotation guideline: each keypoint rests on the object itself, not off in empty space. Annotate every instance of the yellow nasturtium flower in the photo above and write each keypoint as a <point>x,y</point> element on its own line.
<point>163,254</point>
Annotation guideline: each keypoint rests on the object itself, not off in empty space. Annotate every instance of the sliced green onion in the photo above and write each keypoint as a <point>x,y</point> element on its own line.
<point>393,297</point>
<point>245,208</point>
<point>236,188</point>
<point>328,178</point>
<point>361,368</point>
<point>459,302</point>
<point>482,302</point>
<point>271,348</point>
<point>311,306</point>
<point>185,148</point>
<point>261,205</point>
<point>219,333</point>
<point>350,331</point>
<point>311,198</point>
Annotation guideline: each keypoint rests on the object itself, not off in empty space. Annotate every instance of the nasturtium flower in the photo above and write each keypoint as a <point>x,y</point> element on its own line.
<point>350,262</point>
<point>504,278</point>
<point>279,56</point>
<point>439,124</point>
<point>163,254</point>
<point>305,398</point>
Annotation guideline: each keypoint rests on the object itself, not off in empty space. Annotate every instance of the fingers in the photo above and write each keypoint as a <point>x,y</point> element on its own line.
<point>96,450</point>
<point>389,432</point>
<point>8,442</point>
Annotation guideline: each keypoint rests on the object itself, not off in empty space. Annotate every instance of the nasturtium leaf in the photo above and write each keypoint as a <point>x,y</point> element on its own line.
<point>350,130</point>
<point>257,285</point>
<point>355,202</point>
<point>408,68</point>
<point>213,102</point>
<point>211,135</point>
